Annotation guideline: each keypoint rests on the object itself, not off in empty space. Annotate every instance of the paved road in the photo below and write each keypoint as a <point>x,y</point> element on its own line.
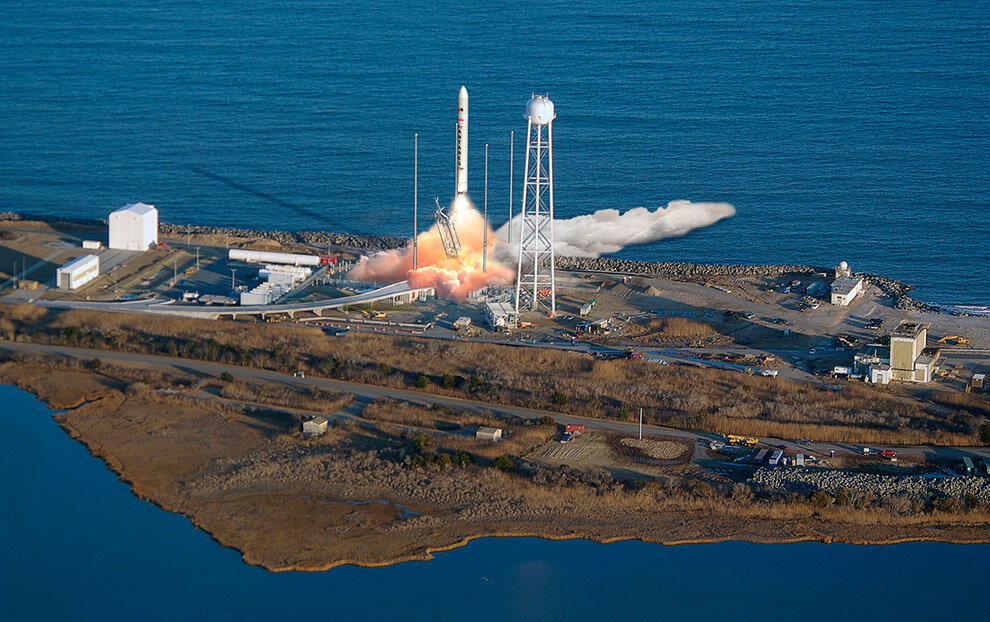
<point>372,392</point>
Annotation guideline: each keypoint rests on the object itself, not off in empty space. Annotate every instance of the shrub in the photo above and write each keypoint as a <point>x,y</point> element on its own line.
<point>843,496</point>
<point>559,398</point>
<point>448,381</point>
<point>227,377</point>
<point>985,433</point>
<point>948,504</point>
<point>71,333</point>
<point>462,458</point>
<point>420,442</point>
<point>504,463</point>
<point>383,368</point>
<point>548,420</point>
<point>95,364</point>
<point>421,381</point>
<point>820,498</point>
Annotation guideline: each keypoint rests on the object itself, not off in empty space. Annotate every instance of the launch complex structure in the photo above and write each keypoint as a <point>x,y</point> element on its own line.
<point>535,286</point>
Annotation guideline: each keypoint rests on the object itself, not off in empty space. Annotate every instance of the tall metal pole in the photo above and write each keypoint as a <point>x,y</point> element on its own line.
<point>512,150</point>
<point>197,259</point>
<point>484,252</point>
<point>640,424</point>
<point>415,197</point>
<point>233,284</point>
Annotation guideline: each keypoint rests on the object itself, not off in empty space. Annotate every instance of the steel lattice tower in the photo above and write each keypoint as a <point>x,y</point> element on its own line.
<point>535,277</point>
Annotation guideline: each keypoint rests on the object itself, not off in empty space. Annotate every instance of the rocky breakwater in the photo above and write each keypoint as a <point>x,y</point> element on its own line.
<point>913,487</point>
<point>606,264</point>
<point>318,238</point>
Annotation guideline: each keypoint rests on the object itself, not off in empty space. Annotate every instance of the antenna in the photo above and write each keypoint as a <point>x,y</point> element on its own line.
<point>484,243</point>
<point>512,151</point>
<point>415,196</point>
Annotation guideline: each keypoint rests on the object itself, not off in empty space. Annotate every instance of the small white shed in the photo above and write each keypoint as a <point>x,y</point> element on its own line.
<point>489,434</point>
<point>315,426</point>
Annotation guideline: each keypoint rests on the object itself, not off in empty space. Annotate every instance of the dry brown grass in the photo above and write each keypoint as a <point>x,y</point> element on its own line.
<point>22,313</point>
<point>316,400</point>
<point>709,399</point>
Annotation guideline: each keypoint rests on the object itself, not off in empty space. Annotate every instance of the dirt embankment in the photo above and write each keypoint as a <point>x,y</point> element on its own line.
<point>357,496</point>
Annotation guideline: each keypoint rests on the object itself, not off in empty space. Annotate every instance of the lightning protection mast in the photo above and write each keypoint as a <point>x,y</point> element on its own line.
<point>535,285</point>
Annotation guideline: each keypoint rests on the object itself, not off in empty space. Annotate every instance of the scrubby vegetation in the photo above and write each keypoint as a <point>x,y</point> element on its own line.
<point>706,399</point>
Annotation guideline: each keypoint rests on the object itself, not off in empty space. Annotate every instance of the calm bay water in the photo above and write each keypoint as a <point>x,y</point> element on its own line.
<point>77,545</point>
<point>840,130</point>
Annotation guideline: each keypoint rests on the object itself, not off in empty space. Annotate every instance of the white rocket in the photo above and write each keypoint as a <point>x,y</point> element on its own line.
<point>460,162</point>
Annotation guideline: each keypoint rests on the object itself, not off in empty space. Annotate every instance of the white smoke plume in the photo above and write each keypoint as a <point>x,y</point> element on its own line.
<point>592,235</point>
<point>608,231</point>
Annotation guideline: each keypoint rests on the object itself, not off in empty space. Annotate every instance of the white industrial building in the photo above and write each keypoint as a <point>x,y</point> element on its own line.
<point>845,289</point>
<point>134,227</point>
<point>264,294</point>
<point>501,315</point>
<point>284,275</point>
<point>78,272</point>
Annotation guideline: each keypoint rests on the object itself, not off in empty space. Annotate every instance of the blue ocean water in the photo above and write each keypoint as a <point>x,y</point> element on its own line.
<point>77,545</point>
<point>840,130</point>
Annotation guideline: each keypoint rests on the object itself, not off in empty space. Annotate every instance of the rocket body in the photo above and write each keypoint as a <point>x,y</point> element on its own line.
<point>460,163</point>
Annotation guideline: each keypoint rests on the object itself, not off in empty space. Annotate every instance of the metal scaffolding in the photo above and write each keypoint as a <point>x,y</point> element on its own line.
<point>535,284</point>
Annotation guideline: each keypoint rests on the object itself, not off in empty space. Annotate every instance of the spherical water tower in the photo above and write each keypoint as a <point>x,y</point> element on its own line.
<point>535,283</point>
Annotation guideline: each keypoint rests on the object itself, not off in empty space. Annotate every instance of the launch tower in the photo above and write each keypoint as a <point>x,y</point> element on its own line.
<point>535,284</point>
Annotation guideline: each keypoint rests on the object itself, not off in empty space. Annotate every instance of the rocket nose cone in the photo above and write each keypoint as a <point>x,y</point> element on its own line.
<point>462,94</point>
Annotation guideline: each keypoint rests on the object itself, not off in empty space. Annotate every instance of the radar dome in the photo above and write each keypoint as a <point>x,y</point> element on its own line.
<point>843,265</point>
<point>539,110</point>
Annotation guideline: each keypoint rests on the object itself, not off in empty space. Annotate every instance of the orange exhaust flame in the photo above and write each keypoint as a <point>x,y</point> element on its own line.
<point>452,278</point>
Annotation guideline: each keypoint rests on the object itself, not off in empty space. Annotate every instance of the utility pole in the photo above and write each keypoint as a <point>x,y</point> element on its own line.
<point>640,424</point>
<point>484,252</point>
<point>175,272</point>
<point>197,259</point>
<point>512,152</point>
<point>233,284</point>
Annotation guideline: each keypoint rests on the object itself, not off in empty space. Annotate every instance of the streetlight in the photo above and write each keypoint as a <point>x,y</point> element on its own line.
<point>233,284</point>
<point>197,259</point>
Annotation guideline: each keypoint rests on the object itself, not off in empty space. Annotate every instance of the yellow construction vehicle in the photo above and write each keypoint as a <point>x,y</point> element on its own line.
<point>745,441</point>
<point>954,340</point>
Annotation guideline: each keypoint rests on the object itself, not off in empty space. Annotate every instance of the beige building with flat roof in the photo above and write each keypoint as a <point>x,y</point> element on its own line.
<point>910,359</point>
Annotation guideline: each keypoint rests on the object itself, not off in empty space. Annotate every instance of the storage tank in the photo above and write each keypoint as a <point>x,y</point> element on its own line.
<point>539,110</point>
<point>237,254</point>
